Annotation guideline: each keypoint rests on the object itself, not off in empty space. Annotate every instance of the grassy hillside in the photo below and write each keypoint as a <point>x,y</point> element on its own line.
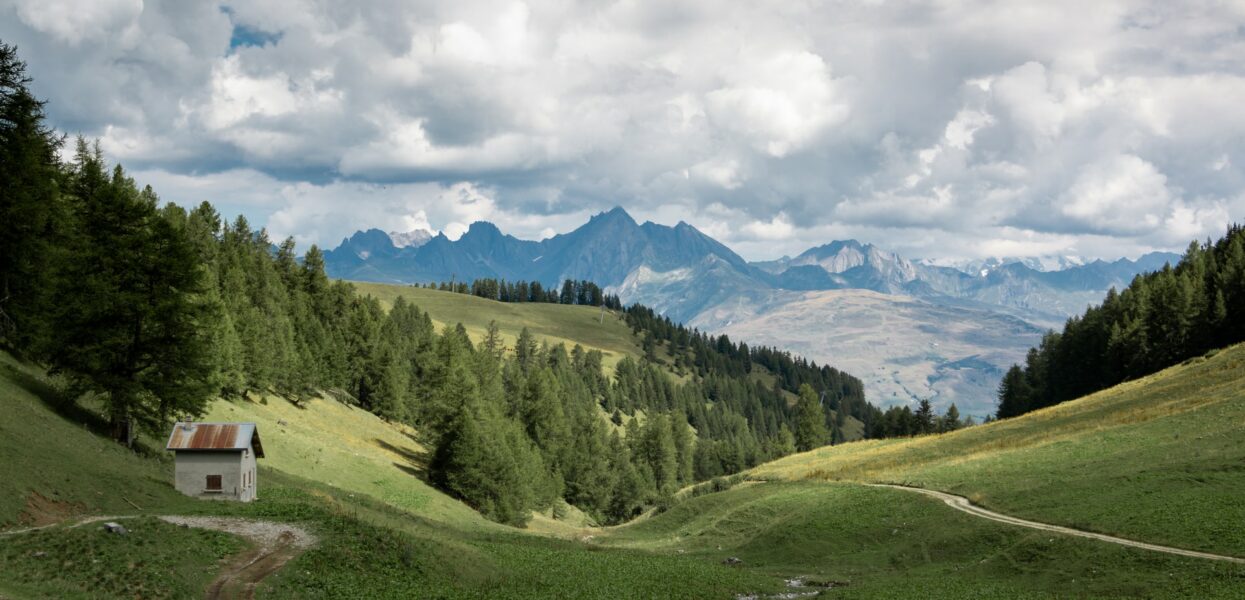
<point>348,448</point>
<point>54,467</point>
<point>420,544</point>
<point>1161,459</point>
<point>880,543</point>
<point>556,323</point>
<point>385,534</point>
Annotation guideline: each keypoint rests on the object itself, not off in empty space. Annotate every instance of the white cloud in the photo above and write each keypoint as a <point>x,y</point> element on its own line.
<point>723,173</point>
<point>1122,194</point>
<point>75,22</point>
<point>960,131</point>
<point>1105,128</point>
<point>778,102</point>
<point>777,228</point>
<point>1025,92</point>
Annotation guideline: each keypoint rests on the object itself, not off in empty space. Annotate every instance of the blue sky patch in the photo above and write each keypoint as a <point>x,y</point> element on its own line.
<point>245,35</point>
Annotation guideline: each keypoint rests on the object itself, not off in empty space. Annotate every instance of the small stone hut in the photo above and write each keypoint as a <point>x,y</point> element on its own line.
<point>216,460</point>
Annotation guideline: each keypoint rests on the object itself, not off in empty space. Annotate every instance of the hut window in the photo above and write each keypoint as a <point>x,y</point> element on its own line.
<point>213,483</point>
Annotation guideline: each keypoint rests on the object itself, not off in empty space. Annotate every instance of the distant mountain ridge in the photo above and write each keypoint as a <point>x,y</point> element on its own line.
<point>692,278</point>
<point>608,248</point>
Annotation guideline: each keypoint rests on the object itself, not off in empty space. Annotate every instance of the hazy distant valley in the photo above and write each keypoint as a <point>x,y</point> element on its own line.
<point>908,328</point>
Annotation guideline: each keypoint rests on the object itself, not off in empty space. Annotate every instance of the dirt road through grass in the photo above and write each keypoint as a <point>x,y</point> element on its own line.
<point>963,504</point>
<point>275,545</point>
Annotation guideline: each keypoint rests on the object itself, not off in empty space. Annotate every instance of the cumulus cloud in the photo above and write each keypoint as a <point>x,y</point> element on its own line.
<point>779,102</point>
<point>961,128</point>
<point>776,228</point>
<point>1122,194</point>
<point>75,22</point>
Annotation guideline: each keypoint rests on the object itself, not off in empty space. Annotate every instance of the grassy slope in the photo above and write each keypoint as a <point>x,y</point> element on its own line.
<point>154,560</point>
<point>414,544</point>
<point>1158,459</point>
<point>1161,459</point>
<point>347,448</point>
<point>890,544</point>
<point>552,322</point>
<point>71,470</point>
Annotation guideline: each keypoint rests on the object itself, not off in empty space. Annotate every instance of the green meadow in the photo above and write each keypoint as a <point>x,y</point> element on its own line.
<point>1156,460</point>
<point>1160,459</point>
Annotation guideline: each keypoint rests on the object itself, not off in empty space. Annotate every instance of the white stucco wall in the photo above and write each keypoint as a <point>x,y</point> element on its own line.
<point>194,467</point>
<point>250,490</point>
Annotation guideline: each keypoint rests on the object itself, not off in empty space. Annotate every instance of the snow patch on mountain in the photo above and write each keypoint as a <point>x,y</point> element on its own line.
<point>410,239</point>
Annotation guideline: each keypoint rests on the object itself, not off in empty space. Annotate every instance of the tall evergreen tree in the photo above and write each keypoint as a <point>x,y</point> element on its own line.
<point>32,216</point>
<point>810,423</point>
<point>924,416</point>
<point>131,318</point>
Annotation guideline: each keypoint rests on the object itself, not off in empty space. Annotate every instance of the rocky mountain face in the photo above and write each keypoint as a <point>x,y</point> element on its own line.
<point>606,250</point>
<point>909,329</point>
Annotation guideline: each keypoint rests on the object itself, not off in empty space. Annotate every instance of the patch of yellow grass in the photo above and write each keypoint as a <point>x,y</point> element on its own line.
<point>346,447</point>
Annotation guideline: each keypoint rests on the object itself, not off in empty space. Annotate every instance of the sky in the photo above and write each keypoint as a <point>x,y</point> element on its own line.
<point>949,129</point>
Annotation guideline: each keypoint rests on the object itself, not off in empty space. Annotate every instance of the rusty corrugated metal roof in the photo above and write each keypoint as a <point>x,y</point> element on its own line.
<point>215,436</point>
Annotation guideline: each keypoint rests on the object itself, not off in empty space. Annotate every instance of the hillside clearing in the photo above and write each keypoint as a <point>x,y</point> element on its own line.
<point>587,326</point>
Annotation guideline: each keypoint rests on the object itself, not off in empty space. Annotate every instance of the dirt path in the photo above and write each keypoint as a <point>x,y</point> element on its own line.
<point>963,504</point>
<point>275,545</point>
<point>73,525</point>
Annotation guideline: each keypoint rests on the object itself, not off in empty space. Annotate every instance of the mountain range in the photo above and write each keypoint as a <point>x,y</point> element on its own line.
<point>909,329</point>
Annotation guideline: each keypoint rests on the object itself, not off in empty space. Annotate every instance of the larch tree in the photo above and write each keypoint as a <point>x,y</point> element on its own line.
<point>131,317</point>
<point>31,212</point>
<point>810,424</point>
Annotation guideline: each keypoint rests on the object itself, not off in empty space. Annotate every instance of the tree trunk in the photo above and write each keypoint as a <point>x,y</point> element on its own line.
<point>120,423</point>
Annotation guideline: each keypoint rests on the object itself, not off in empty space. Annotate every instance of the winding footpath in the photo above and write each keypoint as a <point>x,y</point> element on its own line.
<point>963,504</point>
<point>275,544</point>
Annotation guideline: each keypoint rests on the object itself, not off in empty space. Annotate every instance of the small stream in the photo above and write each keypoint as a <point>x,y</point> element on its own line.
<point>800,587</point>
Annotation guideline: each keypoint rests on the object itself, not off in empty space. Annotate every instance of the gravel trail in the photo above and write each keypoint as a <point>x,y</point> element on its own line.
<point>275,545</point>
<point>963,504</point>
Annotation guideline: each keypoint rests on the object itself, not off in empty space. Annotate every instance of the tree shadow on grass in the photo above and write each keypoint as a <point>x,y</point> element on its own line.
<point>57,400</point>
<point>416,462</point>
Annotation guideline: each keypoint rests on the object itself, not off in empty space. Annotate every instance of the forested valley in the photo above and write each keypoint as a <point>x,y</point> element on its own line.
<point>152,310</point>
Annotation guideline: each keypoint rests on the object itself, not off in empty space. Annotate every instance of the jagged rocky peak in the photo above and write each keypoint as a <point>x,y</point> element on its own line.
<point>366,244</point>
<point>482,229</point>
<point>616,213</point>
<point>613,219</point>
<point>841,255</point>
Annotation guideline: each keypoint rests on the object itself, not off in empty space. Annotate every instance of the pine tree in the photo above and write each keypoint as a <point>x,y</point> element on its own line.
<point>924,416</point>
<point>543,416</point>
<point>1013,393</point>
<point>131,318</point>
<point>525,350</point>
<point>470,463</point>
<point>810,421</point>
<point>684,446</point>
<point>32,215</point>
<point>493,342</point>
<point>951,420</point>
